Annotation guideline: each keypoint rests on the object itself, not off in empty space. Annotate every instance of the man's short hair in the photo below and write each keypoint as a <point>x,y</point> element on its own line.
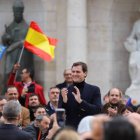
<point>82,64</point>
<point>66,70</point>
<point>53,88</point>
<point>31,71</point>
<point>120,92</point>
<point>39,106</point>
<point>39,118</point>
<point>33,94</point>
<point>11,110</point>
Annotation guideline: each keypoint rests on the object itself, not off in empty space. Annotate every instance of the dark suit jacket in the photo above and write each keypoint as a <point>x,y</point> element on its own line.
<point>90,105</point>
<point>12,132</point>
<point>61,85</point>
<point>49,110</point>
<point>32,130</point>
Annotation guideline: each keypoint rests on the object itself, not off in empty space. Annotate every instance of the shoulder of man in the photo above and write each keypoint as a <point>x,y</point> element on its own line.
<point>24,135</point>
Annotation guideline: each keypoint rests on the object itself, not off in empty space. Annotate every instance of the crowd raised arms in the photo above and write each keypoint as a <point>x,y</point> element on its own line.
<point>74,109</point>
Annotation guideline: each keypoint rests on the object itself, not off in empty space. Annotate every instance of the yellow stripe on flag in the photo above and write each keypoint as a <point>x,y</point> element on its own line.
<point>40,41</point>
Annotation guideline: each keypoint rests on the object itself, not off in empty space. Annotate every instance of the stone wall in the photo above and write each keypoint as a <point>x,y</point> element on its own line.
<point>109,23</point>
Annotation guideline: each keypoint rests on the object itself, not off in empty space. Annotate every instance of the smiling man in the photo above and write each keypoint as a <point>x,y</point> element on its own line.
<point>80,99</point>
<point>114,106</point>
<point>12,94</point>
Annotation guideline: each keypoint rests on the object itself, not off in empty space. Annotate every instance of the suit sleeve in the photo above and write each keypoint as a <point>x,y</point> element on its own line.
<point>26,117</point>
<point>95,106</point>
<point>11,79</point>
<point>31,132</point>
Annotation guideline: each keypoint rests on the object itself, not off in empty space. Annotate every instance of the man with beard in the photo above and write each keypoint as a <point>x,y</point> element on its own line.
<point>33,105</point>
<point>53,103</point>
<point>39,128</point>
<point>114,106</point>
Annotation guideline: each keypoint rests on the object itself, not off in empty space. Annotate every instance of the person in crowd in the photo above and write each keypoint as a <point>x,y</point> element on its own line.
<point>119,128</point>
<point>126,110</point>
<point>3,101</point>
<point>12,94</point>
<point>40,110</point>
<point>138,110</point>
<point>26,86</point>
<point>114,106</point>
<point>97,126</point>
<point>9,130</point>
<point>67,79</point>
<point>80,99</point>
<point>84,127</point>
<point>54,127</point>
<point>54,93</point>
<point>34,103</point>
<point>134,118</point>
<point>39,128</point>
<point>66,133</point>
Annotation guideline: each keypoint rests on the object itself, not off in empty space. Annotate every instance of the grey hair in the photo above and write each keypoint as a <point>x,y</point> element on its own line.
<point>39,118</point>
<point>11,110</point>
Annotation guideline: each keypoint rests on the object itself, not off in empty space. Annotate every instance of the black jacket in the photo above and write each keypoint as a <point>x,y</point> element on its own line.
<point>49,110</point>
<point>90,105</point>
<point>12,132</point>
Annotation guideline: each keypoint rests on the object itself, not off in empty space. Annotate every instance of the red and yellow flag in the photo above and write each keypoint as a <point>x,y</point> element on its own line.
<point>38,43</point>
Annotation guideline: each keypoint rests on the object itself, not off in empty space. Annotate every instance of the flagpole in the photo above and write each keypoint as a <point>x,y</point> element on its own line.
<point>21,55</point>
<point>19,60</point>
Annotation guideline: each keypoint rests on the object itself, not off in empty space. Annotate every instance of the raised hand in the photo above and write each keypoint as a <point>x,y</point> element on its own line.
<point>64,93</point>
<point>77,95</point>
<point>16,67</point>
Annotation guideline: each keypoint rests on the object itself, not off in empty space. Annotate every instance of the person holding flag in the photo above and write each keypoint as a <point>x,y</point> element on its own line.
<point>41,45</point>
<point>26,86</point>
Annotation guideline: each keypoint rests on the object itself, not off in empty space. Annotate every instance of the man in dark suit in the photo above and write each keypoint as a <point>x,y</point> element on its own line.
<point>67,79</point>
<point>53,100</point>
<point>9,130</point>
<point>80,99</point>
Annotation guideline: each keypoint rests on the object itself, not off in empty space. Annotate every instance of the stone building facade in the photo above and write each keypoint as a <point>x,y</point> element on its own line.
<point>92,31</point>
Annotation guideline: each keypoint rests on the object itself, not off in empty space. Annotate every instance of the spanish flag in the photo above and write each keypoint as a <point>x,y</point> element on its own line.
<point>38,43</point>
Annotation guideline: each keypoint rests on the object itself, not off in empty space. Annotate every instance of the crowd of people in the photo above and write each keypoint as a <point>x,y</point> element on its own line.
<point>74,111</point>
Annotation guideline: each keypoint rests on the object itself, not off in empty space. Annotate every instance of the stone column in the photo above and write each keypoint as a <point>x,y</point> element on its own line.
<point>76,31</point>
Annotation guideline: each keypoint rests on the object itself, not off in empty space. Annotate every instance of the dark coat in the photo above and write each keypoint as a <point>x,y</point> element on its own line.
<point>90,105</point>
<point>12,132</point>
<point>61,85</point>
<point>49,110</point>
<point>119,107</point>
<point>32,130</point>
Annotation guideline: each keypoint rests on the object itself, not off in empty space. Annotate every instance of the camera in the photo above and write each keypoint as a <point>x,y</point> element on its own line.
<point>60,116</point>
